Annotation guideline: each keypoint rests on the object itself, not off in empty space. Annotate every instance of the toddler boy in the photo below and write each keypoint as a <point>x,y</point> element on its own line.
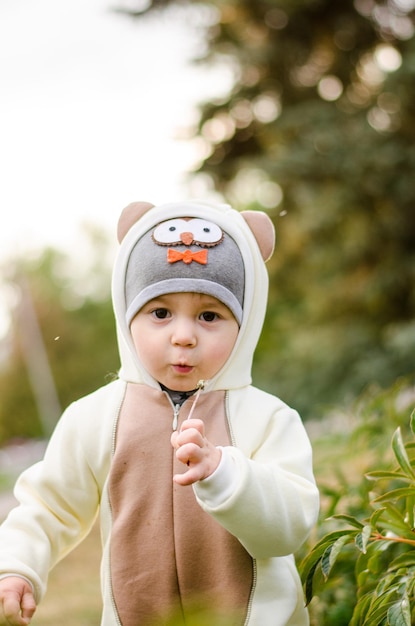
<point>203,483</point>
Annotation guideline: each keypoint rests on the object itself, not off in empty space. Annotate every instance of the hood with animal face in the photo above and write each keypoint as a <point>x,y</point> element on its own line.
<point>198,247</point>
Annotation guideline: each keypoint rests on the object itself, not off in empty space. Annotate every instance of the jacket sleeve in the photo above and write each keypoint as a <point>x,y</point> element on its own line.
<point>264,492</point>
<point>59,496</point>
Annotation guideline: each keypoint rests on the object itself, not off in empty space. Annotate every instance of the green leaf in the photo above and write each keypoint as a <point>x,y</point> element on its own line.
<point>376,516</point>
<point>317,552</point>
<point>330,555</point>
<point>378,615</point>
<point>360,610</point>
<point>400,453</point>
<point>380,606</point>
<point>389,584</point>
<point>407,560</point>
<point>396,494</point>
<point>393,521</point>
<point>308,584</point>
<point>376,561</point>
<point>412,421</point>
<point>362,538</point>
<point>353,521</point>
<point>308,566</point>
<point>410,510</point>
<point>400,614</point>
<point>380,474</point>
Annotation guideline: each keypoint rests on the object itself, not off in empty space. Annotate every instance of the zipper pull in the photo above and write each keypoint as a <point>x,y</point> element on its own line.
<point>176,410</point>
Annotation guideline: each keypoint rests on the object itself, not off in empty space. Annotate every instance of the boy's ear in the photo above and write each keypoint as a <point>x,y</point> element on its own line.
<point>129,216</point>
<point>263,230</point>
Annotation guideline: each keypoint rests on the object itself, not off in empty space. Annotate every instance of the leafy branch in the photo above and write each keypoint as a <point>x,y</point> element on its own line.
<point>384,541</point>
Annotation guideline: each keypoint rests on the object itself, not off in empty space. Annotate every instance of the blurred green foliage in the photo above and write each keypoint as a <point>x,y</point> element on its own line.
<point>361,568</point>
<point>74,313</point>
<point>318,129</point>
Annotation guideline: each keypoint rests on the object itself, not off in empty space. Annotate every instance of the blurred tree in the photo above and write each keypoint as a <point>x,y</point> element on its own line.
<point>318,129</point>
<point>74,313</point>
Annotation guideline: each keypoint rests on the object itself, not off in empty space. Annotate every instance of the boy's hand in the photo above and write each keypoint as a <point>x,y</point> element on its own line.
<point>193,449</point>
<point>17,603</point>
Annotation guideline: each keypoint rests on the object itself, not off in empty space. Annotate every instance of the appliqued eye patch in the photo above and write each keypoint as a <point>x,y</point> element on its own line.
<point>194,231</point>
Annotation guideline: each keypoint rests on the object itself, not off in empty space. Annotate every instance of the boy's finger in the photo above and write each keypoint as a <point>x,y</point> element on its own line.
<point>11,611</point>
<point>188,452</point>
<point>193,423</point>
<point>187,478</point>
<point>181,439</point>
<point>28,606</point>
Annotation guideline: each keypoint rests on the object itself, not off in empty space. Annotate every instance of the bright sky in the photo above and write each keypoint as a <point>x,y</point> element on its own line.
<point>90,103</point>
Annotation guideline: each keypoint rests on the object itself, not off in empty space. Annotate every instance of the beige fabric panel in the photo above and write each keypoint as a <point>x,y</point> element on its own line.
<point>168,555</point>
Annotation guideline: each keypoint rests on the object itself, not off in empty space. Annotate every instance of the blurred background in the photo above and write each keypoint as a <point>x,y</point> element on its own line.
<point>300,108</point>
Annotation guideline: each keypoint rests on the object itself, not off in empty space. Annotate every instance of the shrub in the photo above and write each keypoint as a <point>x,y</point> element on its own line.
<point>365,573</point>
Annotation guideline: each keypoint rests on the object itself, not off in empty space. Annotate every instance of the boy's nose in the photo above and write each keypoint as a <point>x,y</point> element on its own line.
<point>183,334</point>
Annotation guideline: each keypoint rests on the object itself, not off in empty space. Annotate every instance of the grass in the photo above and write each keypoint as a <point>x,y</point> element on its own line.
<point>73,597</point>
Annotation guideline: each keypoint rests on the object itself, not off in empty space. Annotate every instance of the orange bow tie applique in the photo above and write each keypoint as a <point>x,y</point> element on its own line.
<point>187,256</point>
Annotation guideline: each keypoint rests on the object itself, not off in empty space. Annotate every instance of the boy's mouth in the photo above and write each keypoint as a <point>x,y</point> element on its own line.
<point>182,369</point>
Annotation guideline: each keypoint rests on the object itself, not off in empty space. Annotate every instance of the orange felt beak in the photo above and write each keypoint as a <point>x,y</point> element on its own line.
<point>186,238</point>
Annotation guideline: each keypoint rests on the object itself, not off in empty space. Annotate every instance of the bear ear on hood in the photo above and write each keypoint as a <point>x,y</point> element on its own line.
<point>263,230</point>
<point>130,215</point>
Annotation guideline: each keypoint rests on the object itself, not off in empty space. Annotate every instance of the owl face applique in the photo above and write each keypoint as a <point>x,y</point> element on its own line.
<point>185,254</point>
<point>187,232</point>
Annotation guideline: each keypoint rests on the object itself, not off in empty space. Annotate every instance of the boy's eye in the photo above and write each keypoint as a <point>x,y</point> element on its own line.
<point>208,316</point>
<point>161,314</point>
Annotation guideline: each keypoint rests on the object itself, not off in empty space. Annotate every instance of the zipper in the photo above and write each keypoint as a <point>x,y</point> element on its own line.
<point>176,411</point>
<point>251,595</point>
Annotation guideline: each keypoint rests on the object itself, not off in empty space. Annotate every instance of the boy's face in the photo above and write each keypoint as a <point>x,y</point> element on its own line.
<point>182,338</point>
